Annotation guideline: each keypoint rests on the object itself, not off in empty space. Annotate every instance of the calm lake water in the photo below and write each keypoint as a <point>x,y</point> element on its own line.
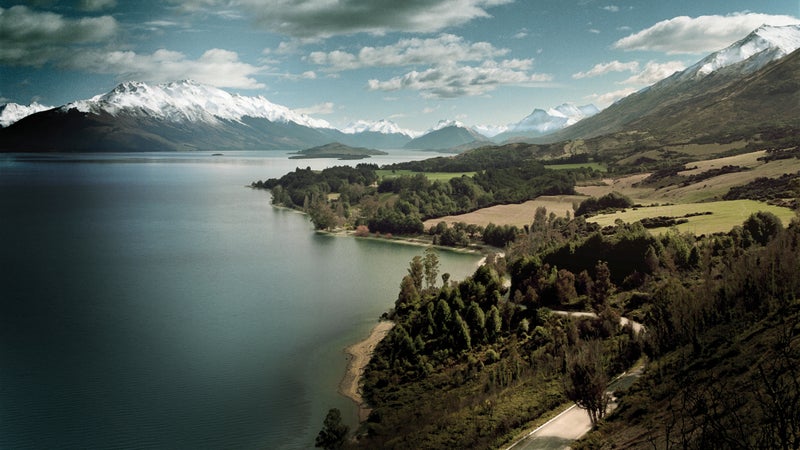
<point>153,301</point>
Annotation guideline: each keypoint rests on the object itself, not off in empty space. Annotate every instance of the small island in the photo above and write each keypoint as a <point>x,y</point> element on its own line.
<point>338,151</point>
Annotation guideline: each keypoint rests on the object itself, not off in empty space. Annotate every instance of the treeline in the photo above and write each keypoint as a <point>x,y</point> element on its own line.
<point>351,197</point>
<point>470,363</point>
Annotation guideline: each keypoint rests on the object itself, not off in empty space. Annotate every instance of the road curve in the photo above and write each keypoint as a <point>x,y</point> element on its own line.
<point>572,423</point>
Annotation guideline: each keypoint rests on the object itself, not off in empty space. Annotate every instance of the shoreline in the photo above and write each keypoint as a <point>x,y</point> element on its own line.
<point>358,356</point>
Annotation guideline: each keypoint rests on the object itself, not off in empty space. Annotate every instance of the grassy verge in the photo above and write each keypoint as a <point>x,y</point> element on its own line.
<point>724,215</point>
<point>433,176</point>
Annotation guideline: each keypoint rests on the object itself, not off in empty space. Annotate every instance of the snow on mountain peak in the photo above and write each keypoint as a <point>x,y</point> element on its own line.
<point>554,119</point>
<point>13,112</point>
<point>767,43</point>
<point>189,101</point>
<point>382,126</point>
<point>444,123</point>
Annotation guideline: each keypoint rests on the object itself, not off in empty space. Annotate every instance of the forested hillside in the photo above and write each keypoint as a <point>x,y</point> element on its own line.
<point>470,364</point>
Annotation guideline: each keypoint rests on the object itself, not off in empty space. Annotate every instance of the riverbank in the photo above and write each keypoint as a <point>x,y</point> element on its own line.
<point>358,356</point>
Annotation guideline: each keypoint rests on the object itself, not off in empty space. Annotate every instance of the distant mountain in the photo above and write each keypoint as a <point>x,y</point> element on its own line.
<point>379,134</point>
<point>541,122</point>
<point>447,134</point>
<point>657,109</point>
<point>13,112</point>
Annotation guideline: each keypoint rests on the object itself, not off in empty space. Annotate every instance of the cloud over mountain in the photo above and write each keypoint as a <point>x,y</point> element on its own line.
<point>324,18</point>
<point>33,38</point>
<point>694,35</point>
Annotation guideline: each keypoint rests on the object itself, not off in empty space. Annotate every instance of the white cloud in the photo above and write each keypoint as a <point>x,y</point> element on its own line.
<point>96,5</point>
<point>611,8</point>
<point>603,100</point>
<point>322,108</point>
<point>521,34</point>
<point>33,38</point>
<point>594,31</point>
<point>453,80</point>
<point>604,68</point>
<point>654,72</point>
<point>216,67</point>
<point>407,52</point>
<point>697,35</point>
<point>326,18</point>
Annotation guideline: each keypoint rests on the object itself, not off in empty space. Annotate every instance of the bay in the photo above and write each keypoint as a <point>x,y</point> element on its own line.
<point>153,301</point>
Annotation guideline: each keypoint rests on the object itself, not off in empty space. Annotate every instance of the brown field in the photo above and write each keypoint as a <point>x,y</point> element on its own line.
<point>519,215</point>
<point>744,160</point>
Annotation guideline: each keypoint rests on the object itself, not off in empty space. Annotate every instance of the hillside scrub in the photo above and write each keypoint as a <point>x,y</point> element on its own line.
<point>470,364</point>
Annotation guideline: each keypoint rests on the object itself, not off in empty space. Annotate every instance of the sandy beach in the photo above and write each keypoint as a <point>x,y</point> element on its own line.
<point>358,355</point>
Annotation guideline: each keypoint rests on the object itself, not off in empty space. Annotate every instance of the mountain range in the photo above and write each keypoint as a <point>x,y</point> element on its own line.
<point>704,99</point>
<point>186,115</point>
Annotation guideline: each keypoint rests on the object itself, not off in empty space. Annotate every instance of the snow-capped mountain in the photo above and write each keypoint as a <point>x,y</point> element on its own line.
<point>541,122</point>
<point>13,112</point>
<point>656,103</point>
<point>762,46</point>
<point>380,126</point>
<point>189,101</point>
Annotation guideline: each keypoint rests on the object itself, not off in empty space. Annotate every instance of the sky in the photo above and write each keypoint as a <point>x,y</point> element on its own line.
<point>414,62</point>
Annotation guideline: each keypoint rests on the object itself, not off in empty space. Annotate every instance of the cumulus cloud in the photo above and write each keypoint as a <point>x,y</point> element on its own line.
<point>698,35</point>
<point>603,100</point>
<point>33,38</point>
<point>322,108</point>
<point>326,18</point>
<point>453,80</point>
<point>654,72</point>
<point>611,8</point>
<point>604,68</point>
<point>96,5</point>
<point>407,52</point>
<point>216,67</point>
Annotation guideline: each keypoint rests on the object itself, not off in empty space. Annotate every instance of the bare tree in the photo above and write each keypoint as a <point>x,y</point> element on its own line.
<point>586,380</point>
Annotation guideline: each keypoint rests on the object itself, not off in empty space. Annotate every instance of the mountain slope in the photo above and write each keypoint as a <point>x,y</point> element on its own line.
<point>176,116</point>
<point>13,112</point>
<point>446,135</point>
<point>541,122</point>
<point>653,109</point>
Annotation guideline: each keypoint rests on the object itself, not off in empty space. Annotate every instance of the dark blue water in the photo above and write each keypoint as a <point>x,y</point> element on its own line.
<point>152,301</point>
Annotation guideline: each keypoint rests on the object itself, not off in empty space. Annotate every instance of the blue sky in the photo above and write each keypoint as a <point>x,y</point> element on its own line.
<point>414,62</point>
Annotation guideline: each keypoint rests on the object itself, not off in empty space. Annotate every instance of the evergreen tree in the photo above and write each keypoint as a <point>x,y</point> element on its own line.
<point>333,431</point>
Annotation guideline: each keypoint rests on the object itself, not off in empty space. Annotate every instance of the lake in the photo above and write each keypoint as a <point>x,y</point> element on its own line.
<point>154,301</point>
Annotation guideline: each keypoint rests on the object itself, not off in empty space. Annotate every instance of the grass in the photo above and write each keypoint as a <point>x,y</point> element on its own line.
<point>724,215</point>
<point>589,165</point>
<point>433,176</point>
<point>514,214</point>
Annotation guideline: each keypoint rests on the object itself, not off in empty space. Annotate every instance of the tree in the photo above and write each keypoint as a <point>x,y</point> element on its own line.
<point>416,270</point>
<point>763,226</point>
<point>602,287</point>
<point>431,266</point>
<point>586,380</point>
<point>565,286</point>
<point>493,324</point>
<point>333,431</point>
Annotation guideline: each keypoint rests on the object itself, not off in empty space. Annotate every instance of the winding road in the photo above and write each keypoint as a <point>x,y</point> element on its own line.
<point>572,423</point>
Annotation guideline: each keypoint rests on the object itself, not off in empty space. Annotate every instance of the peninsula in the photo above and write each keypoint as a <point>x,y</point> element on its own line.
<point>338,151</point>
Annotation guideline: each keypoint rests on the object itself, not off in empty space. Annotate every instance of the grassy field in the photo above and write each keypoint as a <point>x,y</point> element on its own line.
<point>595,166</point>
<point>724,215</point>
<point>519,215</point>
<point>433,176</point>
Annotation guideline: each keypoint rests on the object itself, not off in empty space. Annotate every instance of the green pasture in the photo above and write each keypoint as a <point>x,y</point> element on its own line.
<point>433,176</point>
<point>588,165</point>
<point>724,215</point>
